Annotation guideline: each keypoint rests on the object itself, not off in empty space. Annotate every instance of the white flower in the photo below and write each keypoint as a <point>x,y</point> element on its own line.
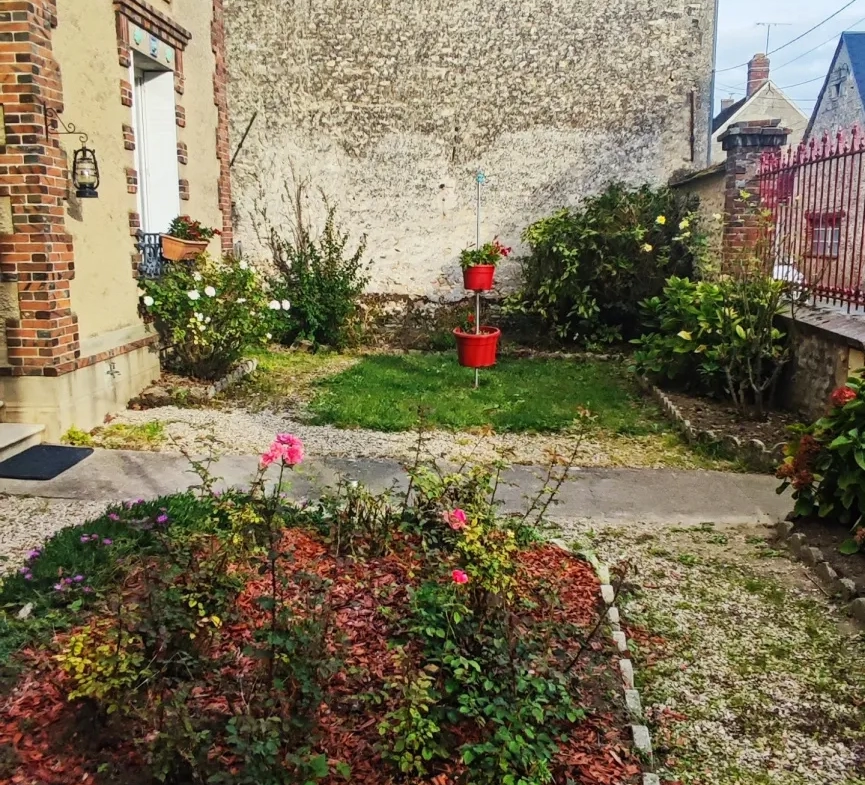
<point>286,305</point>
<point>268,336</point>
<point>148,300</point>
<point>193,294</point>
<point>274,305</point>
<point>241,300</point>
<point>207,320</point>
<point>210,291</point>
<point>199,316</point>
<point>717,216</point>
<point>243,265</point>
<point>684,224</point>
<point>196,276</point>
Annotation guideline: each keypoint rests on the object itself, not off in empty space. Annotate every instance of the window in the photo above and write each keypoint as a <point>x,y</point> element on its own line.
<point>824,234</point>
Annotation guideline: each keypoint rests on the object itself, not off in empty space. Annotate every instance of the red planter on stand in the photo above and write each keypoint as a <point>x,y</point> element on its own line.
<point>477,350</point>
<point>479,278</point>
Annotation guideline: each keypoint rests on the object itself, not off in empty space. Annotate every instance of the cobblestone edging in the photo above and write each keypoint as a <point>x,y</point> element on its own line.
<point>640,734</point>
<point>753,452</point>
<point>244,369</point>
<point>813,558</point>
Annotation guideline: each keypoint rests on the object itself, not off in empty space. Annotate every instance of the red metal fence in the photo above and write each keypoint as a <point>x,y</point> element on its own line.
<point>815,199</point>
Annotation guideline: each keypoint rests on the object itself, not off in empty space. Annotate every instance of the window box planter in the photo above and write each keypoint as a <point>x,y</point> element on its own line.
<point>479,277</point>
<point>176,250</point>
<point>477,350</point>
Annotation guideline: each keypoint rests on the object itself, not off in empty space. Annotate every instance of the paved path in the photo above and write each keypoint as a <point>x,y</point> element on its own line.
<point>650,495</point>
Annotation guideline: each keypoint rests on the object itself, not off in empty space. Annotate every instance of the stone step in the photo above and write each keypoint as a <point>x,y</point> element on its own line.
<point>16,437</point>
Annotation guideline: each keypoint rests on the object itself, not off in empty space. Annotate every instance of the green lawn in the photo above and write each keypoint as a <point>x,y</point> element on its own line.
<point>383,393</point>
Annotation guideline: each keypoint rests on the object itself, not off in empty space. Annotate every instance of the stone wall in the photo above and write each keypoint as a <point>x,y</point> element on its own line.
<point>828,347</point>
<point>392,106</point>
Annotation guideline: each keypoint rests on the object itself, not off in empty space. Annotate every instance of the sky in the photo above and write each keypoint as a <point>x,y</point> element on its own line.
<point>740,37</point>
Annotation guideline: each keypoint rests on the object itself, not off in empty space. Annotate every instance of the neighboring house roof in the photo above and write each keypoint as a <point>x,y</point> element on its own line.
<point>730,114</point>
<point>855,43</point>
<point>725,114</point>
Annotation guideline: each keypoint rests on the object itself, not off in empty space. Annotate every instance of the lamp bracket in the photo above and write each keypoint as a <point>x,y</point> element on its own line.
<point>53,124</point>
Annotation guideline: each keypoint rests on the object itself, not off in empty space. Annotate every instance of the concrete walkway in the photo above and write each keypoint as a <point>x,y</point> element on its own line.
<point>610,495</point>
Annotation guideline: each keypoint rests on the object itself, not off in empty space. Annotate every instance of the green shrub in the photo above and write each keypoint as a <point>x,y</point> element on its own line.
<point>321,280</point>
<point>590,267</point>
<point>209,313</point>
<point>717,337</point>
<point>825,464</point>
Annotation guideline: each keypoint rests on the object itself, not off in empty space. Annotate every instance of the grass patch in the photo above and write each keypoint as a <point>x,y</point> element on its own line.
<point>383,393</point>
<point>146,436</point>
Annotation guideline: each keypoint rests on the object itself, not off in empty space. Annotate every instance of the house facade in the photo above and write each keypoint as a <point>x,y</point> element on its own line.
<point>763,98</point>
<point>840,105</point>
<point>392,108</point>
<point>141,85</point>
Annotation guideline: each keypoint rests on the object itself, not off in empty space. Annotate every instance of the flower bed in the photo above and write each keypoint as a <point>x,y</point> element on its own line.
<point>243,638</point>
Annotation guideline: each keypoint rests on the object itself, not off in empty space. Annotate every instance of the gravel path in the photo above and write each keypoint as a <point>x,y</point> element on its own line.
<point>748,673</point>
<point>243,432</point>
<point>26,522</point>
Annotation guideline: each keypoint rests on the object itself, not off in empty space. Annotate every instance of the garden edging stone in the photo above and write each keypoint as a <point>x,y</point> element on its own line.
<point>640,734</point>
<point>824,572</point>
<point>751,451</point>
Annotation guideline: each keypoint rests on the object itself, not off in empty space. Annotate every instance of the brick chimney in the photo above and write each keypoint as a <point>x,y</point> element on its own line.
<point>758,73</point>
<point>726,103</point>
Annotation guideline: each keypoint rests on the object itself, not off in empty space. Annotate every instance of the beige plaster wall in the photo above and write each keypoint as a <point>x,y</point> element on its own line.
<point>202,171</point>
<point>710,189</point>
<point>104,293</point>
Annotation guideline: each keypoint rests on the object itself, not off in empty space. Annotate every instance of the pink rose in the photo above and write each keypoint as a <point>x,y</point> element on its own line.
<point>457,519</point>
<point>459,576</point>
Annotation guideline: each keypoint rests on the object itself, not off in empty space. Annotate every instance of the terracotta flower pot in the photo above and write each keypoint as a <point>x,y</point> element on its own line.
<point>479,278</point>
<point>176,250</point>
<point>477,350</point>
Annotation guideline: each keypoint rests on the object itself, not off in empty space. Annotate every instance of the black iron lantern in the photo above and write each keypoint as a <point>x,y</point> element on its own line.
<point>85,169</point>
<point>85,173</point>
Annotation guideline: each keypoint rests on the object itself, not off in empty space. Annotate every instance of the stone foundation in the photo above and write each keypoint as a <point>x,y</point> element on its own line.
<point>83,397</point>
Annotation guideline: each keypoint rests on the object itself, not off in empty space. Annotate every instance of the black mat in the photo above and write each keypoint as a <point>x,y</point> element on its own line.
<point>42,462</point>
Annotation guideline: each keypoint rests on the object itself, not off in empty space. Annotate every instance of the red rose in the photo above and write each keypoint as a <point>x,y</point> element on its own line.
<point>842,396</point>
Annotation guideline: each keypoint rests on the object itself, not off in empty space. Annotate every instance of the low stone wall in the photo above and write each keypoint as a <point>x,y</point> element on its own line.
<point>828,347</point>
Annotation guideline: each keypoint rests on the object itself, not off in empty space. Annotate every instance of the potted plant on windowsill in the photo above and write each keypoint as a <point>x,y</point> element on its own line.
<point>479,265</point>
<point>476,349</point>
<point>186,239</point>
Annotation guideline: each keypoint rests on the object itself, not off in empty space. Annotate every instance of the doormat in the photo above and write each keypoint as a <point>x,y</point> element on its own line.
<point>42,462</point>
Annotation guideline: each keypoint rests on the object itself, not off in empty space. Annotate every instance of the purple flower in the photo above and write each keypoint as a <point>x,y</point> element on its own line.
<point>58,587</point>
<point>28,577</point>
<point>113,516</point>
<point>24,570</point>
<point>78,578</point>
<point>34,554</point>
<point>107,541</point>
<point>85,538</point>
<point>87,590</point>
<point>162,518</point>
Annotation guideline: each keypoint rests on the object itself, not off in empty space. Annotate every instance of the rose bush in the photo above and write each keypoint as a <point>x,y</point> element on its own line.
<point>209,313</point>
<point>825,464</point>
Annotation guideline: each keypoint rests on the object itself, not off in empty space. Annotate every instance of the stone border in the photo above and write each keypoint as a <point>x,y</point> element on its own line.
<point>244,369</point>
<point>640,734</point>
<point>751,451</point>
<point>813,558</point>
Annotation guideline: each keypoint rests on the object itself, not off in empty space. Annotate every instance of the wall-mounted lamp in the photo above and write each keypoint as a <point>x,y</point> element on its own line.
<point>85,168</point>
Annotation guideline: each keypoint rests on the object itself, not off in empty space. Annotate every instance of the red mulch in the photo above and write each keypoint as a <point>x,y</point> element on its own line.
<point>43,739</point>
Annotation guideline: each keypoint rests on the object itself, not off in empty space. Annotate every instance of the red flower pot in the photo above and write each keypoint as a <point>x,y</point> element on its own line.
<point>477,350</point>
<point>479,278</point>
